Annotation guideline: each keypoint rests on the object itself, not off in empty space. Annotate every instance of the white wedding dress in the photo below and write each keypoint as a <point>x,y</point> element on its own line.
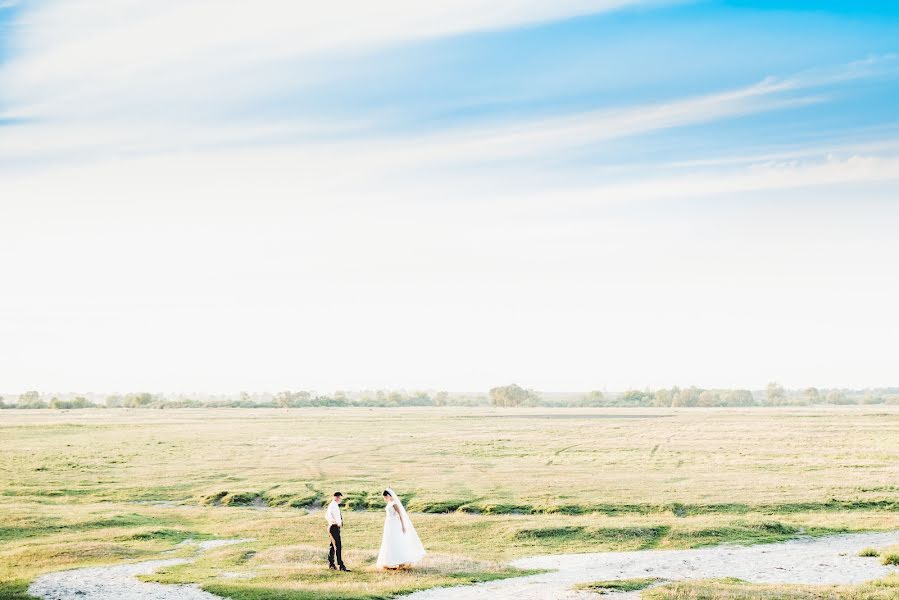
<point>398,548</point>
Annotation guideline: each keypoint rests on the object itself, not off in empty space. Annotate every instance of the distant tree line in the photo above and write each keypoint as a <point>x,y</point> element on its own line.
<point>507,396</point>
<point>285,399</point>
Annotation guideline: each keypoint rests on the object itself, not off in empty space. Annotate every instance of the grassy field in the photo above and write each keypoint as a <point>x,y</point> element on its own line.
<point>99,486</point>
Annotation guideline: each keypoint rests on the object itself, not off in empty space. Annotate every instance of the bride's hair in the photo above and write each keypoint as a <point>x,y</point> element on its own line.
<point>386,493</point>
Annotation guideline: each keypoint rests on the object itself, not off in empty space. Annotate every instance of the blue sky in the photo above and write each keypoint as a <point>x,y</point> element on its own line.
<point>578,194</point>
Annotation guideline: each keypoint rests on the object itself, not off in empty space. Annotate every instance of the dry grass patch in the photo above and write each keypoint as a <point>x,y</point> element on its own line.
<point>733,589</point>
<point>300,573</point>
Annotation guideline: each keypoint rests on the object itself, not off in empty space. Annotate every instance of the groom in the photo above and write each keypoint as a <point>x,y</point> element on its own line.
<point>335,522</point>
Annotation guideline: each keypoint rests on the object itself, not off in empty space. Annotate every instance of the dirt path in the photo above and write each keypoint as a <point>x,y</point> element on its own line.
<point>832,559</point>
<point>120,582</point>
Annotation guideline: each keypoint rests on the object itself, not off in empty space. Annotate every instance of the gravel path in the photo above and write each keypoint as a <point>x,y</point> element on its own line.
<point>825,560</point>
<point>832,559</point>
<point>120,583</point>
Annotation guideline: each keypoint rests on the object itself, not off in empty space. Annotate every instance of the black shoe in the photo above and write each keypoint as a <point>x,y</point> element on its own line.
<point>345,570</point>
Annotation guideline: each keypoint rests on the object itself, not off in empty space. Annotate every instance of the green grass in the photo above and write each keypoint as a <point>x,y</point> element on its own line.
<point>14,589</point>
<point>97,487</point>
<point>734,589</point>
<point>869,553</point>
<point>620,585</point>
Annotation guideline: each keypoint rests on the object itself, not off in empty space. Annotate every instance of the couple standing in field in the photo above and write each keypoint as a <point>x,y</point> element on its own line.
<point>400,545</point>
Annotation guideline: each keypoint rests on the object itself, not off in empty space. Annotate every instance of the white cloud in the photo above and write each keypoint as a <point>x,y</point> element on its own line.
<point>85,55</point>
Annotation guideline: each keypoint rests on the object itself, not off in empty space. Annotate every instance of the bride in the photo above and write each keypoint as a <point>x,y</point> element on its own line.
<point>400,546</point>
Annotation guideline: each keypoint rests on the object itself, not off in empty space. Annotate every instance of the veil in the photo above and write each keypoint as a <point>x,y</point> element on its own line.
<point>399,505</point>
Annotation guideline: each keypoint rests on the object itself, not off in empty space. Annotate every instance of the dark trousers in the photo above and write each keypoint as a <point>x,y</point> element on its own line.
<point>335,549</point>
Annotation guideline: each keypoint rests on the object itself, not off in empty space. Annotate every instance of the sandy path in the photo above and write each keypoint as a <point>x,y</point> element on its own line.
<point>832,559</point>
<point>120,583</point>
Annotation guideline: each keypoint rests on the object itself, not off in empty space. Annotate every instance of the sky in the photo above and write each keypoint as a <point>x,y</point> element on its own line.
<point>213,195</point>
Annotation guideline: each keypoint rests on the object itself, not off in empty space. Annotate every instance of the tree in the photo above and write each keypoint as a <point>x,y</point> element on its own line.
<point>871,398</point>
<point>593,398</point>
<point>634,398</point>
<point>837,397</point>
<point>737,398</point>
<point>513,395</point>
<point>687,397</point>
<point>31,399</point>
<point>774,394</point>
<point>708,398</point>
<point>113,402</point>
<point>283,399</point>
<point>663,397</point>
<point>441,399</point>
<point>141,400</point>
<point>811,395</point>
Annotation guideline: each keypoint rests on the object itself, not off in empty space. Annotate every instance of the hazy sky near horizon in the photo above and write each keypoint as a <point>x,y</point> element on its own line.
<point>577,194</point>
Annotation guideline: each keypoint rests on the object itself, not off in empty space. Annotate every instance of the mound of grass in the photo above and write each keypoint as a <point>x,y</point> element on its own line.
<point>869,553</point>
<point>498,509</point>
<point>213,498</point>
<point>572,532</point>
<point>226,498</point>
<point>293,500</point>
<point>442,506</point>
<point>170,535</point>
<point>620,585</point>
<point>775,527</point>
<point>891,559</point>
<point>240,499</point>
<point>631,538</point>
<point>641,538</point>
<point>742,532</point>
<point>364,500</point>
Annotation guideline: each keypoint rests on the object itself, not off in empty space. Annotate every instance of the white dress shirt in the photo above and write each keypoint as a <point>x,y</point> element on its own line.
<point>333,514</point>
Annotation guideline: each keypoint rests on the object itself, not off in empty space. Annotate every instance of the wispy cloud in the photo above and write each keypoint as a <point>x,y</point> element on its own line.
<point>522,139</point>
<point>763,176</point>
<point>98,55</point>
